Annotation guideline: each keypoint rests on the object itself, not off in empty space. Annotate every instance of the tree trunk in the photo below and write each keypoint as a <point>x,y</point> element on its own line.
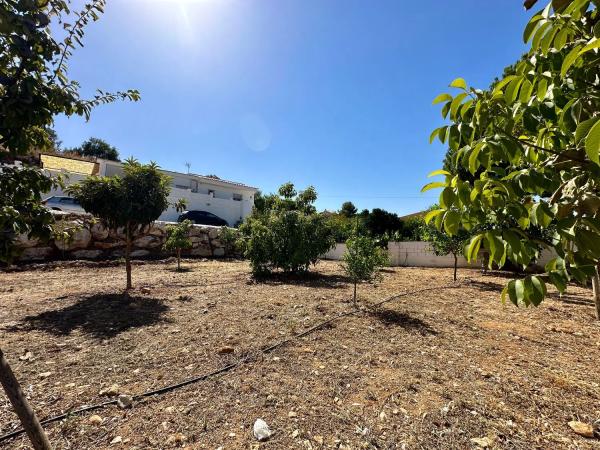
<point>178,260</point>
<point>596,286</point>
<point>355,303</point>
<point>128,256</point>
<point>455,265</point>
<point>15,394</point>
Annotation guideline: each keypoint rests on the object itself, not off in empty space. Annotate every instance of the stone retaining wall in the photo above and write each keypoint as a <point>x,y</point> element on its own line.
<point>81,236</point>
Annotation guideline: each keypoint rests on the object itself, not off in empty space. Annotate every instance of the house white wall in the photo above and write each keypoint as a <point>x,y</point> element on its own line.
<point>224,199</point>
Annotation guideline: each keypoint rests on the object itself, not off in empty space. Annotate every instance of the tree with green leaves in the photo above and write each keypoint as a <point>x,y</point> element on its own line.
<point>289,235</point>
<point>128,202</point>
<point>531,146</point>
<point>178,238</point>
<point>363,261</point>
<point>443,243</point>
<point>34,88</point>
<point>348,210</point>
<point>95,148</point>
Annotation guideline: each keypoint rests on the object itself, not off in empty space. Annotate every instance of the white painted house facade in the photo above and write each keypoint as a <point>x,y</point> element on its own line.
<point>227,199</point>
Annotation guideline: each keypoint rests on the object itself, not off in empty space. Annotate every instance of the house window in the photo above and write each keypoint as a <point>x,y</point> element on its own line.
<point>237,197</point>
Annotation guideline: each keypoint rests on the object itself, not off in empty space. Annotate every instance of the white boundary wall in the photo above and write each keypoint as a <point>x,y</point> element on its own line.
<point>419,254</point>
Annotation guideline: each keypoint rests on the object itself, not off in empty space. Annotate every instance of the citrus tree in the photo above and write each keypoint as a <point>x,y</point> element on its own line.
<point>178,238</point>
<point>128,202</point>
<point>531,150</point>
<point>362,260</point>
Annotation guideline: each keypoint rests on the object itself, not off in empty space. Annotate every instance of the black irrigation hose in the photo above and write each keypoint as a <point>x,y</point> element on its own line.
<point>226,368</point>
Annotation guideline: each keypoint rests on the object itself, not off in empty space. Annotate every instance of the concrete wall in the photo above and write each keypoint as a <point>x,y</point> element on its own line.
<point>419,254</point>
<point>87,238</point>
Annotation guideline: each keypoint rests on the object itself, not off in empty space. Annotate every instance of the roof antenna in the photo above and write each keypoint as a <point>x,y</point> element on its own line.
<point>188,165</point>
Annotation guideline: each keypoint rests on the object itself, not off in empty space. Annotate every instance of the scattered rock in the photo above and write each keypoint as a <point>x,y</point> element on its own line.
<point>292,414</point>
<point>319,439</point>
<point>112,391</point>
<point>45,374</point>
<point>262,432</point>
<point>95,420</point>
<point>116,440</point>
<point>125,401</point>
<point>483,442</point>
<point>295,433</point>
<point>582,429</point>
<point>26,356</point>
<point>170,409</point>
<point>176,439</point>
<point>226,350</point>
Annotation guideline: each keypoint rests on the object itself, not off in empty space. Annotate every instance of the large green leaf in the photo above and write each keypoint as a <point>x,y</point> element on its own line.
<point>451,222</point>
<point>570,60</point>
<point>592,143</point>
<point>442,98</point>
<point>459,83</point>
<point>584,128</point>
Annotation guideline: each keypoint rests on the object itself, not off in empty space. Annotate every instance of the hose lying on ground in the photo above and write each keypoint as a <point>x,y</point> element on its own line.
<point>227,367</point>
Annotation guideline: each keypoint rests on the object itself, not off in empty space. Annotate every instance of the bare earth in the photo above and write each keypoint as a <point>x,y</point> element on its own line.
<point>429,370</point>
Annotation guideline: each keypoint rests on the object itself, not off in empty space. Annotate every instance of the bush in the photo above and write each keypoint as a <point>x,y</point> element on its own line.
<point>363,260</point>
<point>289,235</point>
<point>178,238</point>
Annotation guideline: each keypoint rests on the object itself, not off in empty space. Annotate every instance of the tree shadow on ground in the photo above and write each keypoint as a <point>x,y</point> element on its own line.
<point>409,323</point>
<point>101,316</point>
<point>573,299</point>
<point>488,286</point>
<point>309,279</point>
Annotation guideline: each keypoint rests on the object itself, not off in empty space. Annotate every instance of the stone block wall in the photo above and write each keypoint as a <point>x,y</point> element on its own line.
<point>81,236</point>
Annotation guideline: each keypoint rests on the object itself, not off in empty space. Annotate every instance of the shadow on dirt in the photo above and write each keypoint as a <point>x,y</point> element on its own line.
<point>308,279</point>
<point>101,316</point>
<point>409,323</point>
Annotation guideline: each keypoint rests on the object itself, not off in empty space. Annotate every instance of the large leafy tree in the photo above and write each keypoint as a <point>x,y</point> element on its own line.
<point>531,146</point>
<point>127,202</point>
<point>96,148</point>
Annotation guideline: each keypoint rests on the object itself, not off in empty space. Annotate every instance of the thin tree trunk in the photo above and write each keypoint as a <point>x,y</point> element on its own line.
<point>355,303</point>
<point>596,286</point>
<point>15,394</point>
<point>455,265</point>
<point>128,256</point>
<point>178,260</point>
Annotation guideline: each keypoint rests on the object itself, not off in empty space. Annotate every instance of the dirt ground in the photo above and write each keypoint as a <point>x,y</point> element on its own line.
<point>429,370</point>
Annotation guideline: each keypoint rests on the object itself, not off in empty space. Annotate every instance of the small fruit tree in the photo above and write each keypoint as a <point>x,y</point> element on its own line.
<point>178,238</point>
<point>531,150</point>
<point>131,201</point>
<point>288,234</point>
<point>363,260</point>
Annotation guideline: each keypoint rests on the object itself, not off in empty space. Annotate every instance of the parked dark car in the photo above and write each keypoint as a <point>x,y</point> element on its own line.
<point>202,218</point>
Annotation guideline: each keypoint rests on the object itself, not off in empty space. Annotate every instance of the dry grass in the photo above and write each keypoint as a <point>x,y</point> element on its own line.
<point>431,370</point>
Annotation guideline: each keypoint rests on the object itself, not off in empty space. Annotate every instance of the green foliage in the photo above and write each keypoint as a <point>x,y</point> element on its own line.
<point>96,148</point>
<point>289,235</point>
<point>230,238</point>
<point>131,201</point>
<point>21,210</point>
<point>178,238</point>
<point>348,210</point>
<point>380,221</point>
<point>531,146</point>
<point>34,87</point>
<point>363,259</point>
<point>33,70</point>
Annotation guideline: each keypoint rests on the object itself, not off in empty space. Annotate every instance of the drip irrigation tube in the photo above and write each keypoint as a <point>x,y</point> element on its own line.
<point>227,367</point>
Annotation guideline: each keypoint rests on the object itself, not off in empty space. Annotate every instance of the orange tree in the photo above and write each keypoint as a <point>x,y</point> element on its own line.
<point>531,147</point>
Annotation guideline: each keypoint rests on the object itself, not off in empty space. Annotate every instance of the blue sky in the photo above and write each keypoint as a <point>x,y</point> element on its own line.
<point>330,93</point>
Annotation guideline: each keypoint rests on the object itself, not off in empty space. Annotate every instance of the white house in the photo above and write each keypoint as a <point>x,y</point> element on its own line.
<point>227,199</point>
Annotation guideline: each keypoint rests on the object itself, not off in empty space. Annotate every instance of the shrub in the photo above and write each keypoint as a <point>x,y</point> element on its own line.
<point>230,238</point>
<point>289,235</point>
<point>178,238</point>
<point>363,260</point>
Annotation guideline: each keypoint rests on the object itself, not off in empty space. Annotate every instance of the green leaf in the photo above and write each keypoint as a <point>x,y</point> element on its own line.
<point>473,158</point>
<point>583,129</point>
<point>531,27</point>
<point>561,39</point>
<point>459,83</point>
<point>526,90</point>
<point>442,98</point>
<point>537,290</point>
<point>433,185</point>
<point>456,104</point>
<point>438,172</point>
<point>433,135</point>
<point>542,89</point>
<point>451,222</point>
<point>473,248</point>
<point>512,90</point>
<point>592,143</point>
<point>594,43</point>
<point>570,60</point>
<point>447,198</point>
<point>431,214</point>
